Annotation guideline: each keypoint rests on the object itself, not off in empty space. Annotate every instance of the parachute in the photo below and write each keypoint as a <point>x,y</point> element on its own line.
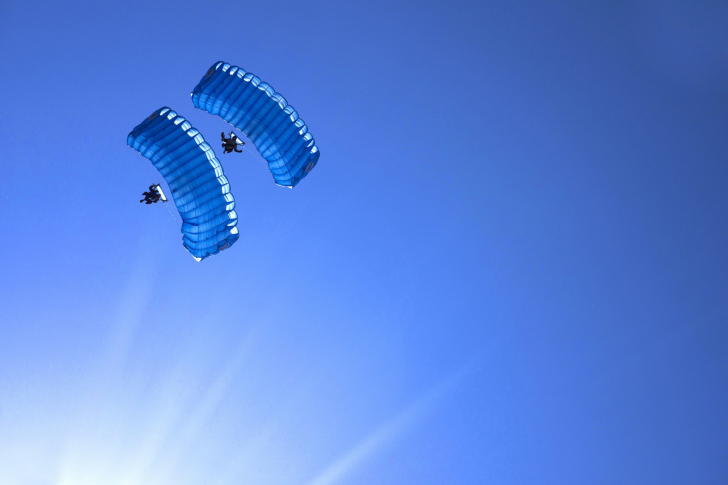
<point>264,116</point>
<point>194,175</point>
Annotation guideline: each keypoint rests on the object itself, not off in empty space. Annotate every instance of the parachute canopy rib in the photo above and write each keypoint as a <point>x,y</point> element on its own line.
<point>264,116</point>
<point>195,177</point>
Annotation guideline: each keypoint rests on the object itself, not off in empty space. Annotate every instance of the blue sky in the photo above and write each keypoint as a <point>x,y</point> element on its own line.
<point>508,267</point>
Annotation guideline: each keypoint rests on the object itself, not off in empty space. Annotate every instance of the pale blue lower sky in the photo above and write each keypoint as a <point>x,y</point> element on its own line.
<point>508,267</point>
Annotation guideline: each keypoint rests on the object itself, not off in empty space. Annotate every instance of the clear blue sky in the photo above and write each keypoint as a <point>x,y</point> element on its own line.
<point>509,266</point>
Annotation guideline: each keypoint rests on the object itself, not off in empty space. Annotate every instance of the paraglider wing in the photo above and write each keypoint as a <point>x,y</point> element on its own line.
<point>195,178</point>
<point>264,116</point>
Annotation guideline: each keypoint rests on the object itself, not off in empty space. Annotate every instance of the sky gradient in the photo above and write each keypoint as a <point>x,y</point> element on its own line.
<point>508,267</point>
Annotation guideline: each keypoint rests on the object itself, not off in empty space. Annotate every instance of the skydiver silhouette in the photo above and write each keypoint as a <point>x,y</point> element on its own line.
<point>151,197</point>
<point>231,144</point>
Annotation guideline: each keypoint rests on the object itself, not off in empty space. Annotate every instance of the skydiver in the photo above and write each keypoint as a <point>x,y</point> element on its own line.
<point>231,144</point>
<point>151,197</point>
<point>226,143</point>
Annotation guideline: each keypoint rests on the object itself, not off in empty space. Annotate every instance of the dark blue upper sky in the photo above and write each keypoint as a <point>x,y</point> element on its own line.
<point>508,267</point>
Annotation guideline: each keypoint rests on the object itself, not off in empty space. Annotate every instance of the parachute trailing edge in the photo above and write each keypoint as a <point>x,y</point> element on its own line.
<point>264,116</point>
<point>195,178</point>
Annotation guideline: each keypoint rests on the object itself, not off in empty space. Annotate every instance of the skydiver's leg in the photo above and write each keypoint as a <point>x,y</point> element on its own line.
<point>236,149</point>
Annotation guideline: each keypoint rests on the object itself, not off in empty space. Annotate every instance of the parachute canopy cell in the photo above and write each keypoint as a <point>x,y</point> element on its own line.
<point>195,178</point>
<point>253,107</point>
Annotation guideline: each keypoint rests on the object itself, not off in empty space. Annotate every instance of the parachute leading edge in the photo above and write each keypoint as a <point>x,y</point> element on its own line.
<point>194,175</point>
<point>264,116</point>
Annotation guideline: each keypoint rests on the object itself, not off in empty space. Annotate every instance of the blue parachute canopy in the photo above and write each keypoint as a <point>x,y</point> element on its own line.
<point>194,175</point>
<point>264,116</point>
